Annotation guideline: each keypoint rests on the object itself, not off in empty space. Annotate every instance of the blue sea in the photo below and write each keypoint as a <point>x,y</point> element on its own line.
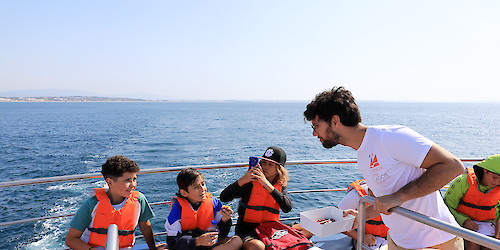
<point>55,139</point>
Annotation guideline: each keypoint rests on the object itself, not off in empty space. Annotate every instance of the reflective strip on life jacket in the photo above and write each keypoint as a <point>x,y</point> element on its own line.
<point>374,226</point>
<point>477,205</point>
<point>106,214</point>
<point>261,206</point>
<point>200,219</point>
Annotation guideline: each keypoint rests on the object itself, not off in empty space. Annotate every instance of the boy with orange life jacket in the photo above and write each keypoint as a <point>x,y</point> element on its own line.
<point>262,191</point>
<point>375,229</point>
<point>473,198</point>
<point>120,204</point>
<point>197,220</point>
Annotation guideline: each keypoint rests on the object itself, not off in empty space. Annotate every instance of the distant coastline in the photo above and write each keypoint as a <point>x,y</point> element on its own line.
<point>73,99</point>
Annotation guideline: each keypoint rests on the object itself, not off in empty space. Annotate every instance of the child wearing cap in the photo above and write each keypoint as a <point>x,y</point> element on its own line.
<point>473,199</point>
<point>262,191</point>
<point>197,220</point>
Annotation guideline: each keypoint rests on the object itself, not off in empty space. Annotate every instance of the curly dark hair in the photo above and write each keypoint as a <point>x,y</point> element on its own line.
<point>479,173</point>
<point>117,165</point>
<point>337,101</point>
<point>186,177</point>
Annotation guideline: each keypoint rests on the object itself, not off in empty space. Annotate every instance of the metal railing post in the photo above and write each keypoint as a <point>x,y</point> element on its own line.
<point>361,224</point>
<point>112,238</point>
<point>447,227</point>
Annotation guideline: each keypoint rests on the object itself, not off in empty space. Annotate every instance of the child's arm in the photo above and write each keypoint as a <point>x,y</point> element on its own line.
<point>73,240</point>
<point>282,199</point>
<point>455,192</point>
<point>224,220</point>
<point>230,192</point>
<point>147,232</point>
<point>497,230</point>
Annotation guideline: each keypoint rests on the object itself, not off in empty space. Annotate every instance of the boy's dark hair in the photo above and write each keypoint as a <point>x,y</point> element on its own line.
<point>117,165</point>
<point>186,177</point>
<point>479,173</point>
<point>337,101</point>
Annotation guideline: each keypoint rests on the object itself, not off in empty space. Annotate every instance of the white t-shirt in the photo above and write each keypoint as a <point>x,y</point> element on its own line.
<point>390,157</point>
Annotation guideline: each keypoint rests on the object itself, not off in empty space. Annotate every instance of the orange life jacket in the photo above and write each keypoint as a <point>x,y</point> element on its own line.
<point>374,226</point>
<point>200,219</point>
<point>478,205</point>
<point>105,215</point>
<point>261,206</point>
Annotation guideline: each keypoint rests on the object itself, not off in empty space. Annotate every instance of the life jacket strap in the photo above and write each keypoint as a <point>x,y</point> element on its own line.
<point>374,222</point>
<point>260,208</point>
<point>105,231</point>
<point>476,206</point>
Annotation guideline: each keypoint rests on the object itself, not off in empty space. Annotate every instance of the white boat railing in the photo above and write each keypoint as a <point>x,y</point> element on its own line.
<point>447,227</point>
<point>155,171</point>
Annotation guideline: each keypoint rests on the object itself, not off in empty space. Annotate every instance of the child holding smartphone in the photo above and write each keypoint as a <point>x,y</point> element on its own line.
<point>263,192</point>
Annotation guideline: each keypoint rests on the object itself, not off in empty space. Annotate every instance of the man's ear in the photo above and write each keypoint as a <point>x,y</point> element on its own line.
<point>335,120</point>
<point>183,192</point>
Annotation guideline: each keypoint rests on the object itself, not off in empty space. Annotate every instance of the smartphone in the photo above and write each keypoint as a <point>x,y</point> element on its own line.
<point>253,161</point>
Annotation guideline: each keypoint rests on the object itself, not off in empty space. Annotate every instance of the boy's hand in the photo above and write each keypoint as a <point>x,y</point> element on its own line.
<point>369,240</point>
<point>470,224</point>
<point>353,213</point>
<point>207,239</point>
<point>226,213</point>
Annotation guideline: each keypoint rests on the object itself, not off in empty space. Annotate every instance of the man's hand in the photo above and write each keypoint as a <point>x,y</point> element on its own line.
<point>384,203</point>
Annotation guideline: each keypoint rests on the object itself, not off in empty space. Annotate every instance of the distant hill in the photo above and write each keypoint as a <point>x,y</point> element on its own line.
<point>69,99</point>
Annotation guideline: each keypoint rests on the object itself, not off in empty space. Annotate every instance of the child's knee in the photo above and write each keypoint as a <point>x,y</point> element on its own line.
<point>254,244</point>
<point>236,241</point>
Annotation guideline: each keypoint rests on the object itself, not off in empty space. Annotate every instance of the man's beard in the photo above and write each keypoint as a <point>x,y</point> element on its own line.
<point>332,140</point>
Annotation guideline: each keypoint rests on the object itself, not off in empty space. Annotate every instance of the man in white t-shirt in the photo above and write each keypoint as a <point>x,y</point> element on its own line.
<point>400,166</point>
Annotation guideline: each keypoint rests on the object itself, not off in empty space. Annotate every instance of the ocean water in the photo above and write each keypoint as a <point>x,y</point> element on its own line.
<point>55,139</point>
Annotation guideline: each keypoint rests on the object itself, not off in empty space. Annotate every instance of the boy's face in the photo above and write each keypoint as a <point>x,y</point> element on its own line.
<point>490,179</point>
<point>124,185</point>
<point>196,192</point>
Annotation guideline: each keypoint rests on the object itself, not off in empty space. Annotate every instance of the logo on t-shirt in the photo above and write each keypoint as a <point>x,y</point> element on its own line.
<point>373,161</point>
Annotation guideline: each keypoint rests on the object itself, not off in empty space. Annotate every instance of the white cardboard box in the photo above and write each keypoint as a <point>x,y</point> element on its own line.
<point>341,224</point>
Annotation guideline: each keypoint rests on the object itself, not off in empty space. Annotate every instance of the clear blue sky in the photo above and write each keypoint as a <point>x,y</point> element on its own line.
<point>254,50</point>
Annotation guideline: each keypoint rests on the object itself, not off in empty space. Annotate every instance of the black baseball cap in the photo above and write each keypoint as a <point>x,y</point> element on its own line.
<point>275,154</point>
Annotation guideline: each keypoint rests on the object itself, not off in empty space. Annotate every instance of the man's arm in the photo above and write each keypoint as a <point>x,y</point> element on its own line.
<point>441,167</point>
<point>147,232</point>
